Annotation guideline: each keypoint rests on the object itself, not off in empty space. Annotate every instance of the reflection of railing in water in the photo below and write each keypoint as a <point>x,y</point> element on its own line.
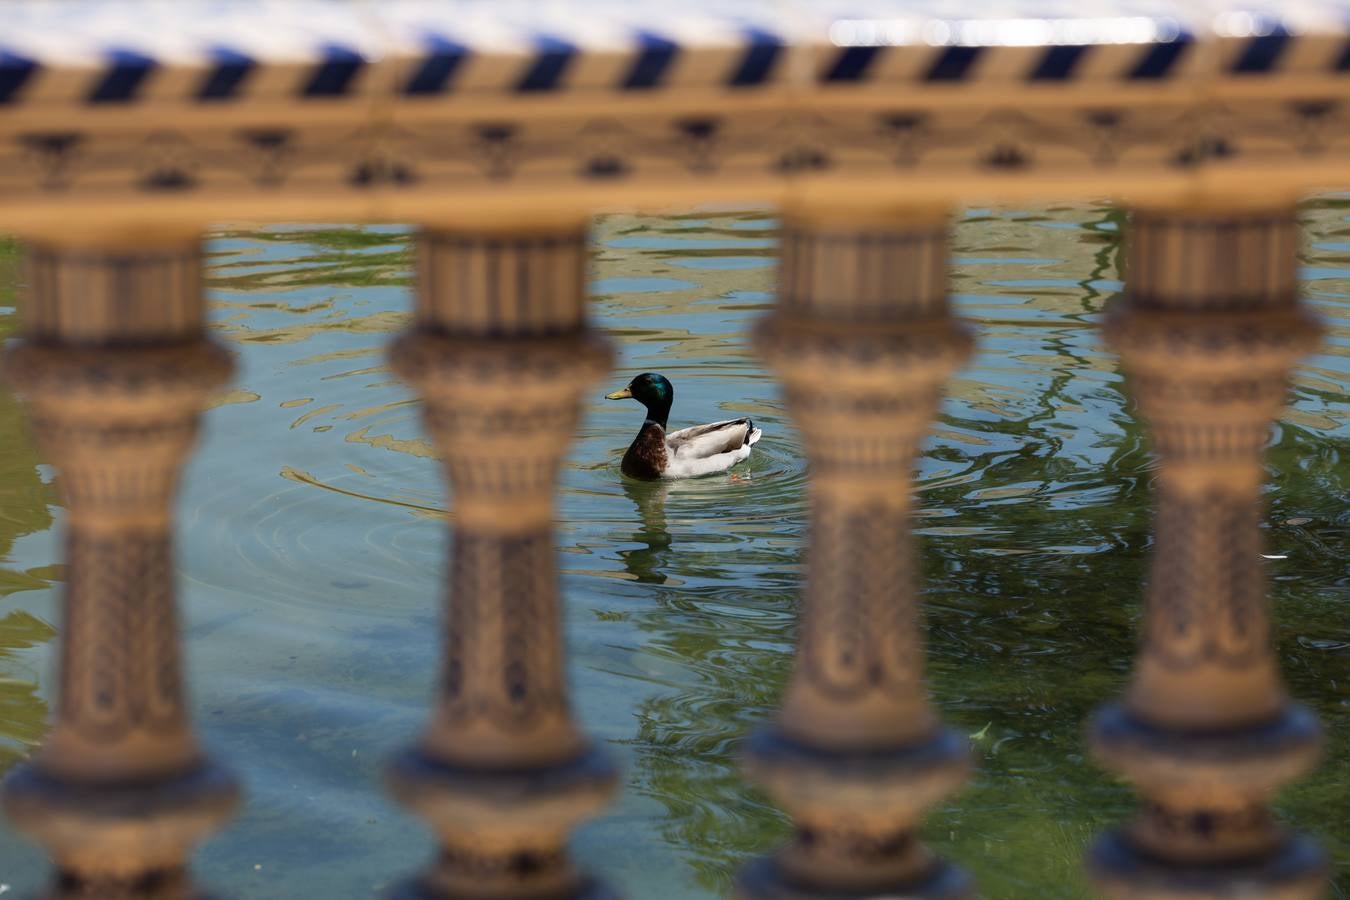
<point>1210,136</point>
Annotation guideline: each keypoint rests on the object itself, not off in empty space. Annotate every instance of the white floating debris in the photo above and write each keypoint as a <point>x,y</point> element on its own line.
<point>1273,556</point>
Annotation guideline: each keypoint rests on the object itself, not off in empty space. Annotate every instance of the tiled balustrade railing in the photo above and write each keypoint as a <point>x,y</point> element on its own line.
<point>127,127</point>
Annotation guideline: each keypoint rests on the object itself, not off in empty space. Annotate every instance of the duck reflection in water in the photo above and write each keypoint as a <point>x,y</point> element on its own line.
<point>647,563</point>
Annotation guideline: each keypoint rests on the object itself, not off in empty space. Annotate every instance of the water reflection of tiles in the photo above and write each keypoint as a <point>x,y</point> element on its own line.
<point>312,544</point>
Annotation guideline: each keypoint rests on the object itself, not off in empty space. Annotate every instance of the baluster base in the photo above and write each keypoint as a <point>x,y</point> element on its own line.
<point>503,831</point>
<point>1296,870</point>
<point>425,888</point>
<point>421,889</point>
<point>764,879</point>
<point>850,837</point>
<point>1217,837</point>
<point>167,884</point>
<point>121,840</point>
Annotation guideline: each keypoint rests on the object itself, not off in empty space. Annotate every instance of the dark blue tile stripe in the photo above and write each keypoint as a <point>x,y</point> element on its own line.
<point>953,64</point>
<point>1057,63</point>
<point>651,65</point>
<point>552,57</point>
<point>15,71</point>
<point>333,77</point>
<point>851,64</point>
<point>126,73</point>
<point>1159,59</point>
<point>444,57</point>
<point>1343,64</point>
<point>759,59</point>
<point>226,77</point>
<point>1261,53</point>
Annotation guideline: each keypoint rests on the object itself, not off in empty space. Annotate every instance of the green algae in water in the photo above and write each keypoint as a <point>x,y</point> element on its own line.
<point>312,539</point>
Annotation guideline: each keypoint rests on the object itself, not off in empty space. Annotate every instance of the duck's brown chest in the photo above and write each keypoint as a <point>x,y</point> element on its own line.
<point>646,456</point>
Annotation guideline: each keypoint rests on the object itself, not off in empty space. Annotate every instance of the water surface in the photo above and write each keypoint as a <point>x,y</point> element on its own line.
<point>312,536</point>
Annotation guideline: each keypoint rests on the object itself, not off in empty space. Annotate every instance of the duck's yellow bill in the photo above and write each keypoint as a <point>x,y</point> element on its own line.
<point>619,395</point>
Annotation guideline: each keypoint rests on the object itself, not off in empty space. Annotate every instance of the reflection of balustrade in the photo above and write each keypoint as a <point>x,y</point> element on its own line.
<point>115,368</point>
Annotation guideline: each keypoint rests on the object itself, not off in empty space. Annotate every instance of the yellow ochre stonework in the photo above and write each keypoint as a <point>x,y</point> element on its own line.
<point>115,369</point>
<point>857,752</point>
<point>498,134</point>
<point>502,356</point>
<point>414,111</point>
<point>1208,330</point>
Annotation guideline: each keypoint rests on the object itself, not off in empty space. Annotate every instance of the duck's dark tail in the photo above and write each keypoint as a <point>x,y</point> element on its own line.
<point>752,434</point>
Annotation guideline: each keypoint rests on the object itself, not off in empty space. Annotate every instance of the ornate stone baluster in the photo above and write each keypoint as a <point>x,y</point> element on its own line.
<point>862,341</point>
<point>115,368</point>
<point>502,355</point>
<point>1208,331</point>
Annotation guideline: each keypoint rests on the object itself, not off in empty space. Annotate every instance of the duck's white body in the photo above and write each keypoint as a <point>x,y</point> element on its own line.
<point>703,449</point>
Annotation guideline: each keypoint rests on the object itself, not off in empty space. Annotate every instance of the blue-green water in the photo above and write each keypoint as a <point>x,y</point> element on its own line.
<point>312,539</point>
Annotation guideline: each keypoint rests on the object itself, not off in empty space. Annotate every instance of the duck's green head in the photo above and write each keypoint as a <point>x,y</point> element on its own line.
<point>652,391</point>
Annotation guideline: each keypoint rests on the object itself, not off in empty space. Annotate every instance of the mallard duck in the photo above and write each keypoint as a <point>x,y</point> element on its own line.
<point>701,450</point>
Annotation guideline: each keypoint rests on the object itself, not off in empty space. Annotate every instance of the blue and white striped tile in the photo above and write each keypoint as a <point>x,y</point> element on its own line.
<point>1272,40</point>
<point>943,42</point>
<point>114,52</point>
<point>514,48</point>
<point>103,53</point>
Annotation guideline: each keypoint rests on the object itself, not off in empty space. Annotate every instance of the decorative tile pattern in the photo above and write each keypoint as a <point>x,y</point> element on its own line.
<point>306,108</point>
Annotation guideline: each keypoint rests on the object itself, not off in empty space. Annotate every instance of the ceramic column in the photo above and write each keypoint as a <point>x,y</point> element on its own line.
<point>115,368</point>
<point>862,341</point>
<point>1207,331</point>
<point>502,356</point>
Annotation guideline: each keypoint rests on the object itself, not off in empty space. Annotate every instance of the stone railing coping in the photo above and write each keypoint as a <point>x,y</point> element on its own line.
<point>318,109</point>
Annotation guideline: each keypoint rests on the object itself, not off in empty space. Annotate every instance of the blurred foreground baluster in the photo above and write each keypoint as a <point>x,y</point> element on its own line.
<point>863,341</point>
<point>502,356</point>
<point>1207,332</point>
<point>115,368</point>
